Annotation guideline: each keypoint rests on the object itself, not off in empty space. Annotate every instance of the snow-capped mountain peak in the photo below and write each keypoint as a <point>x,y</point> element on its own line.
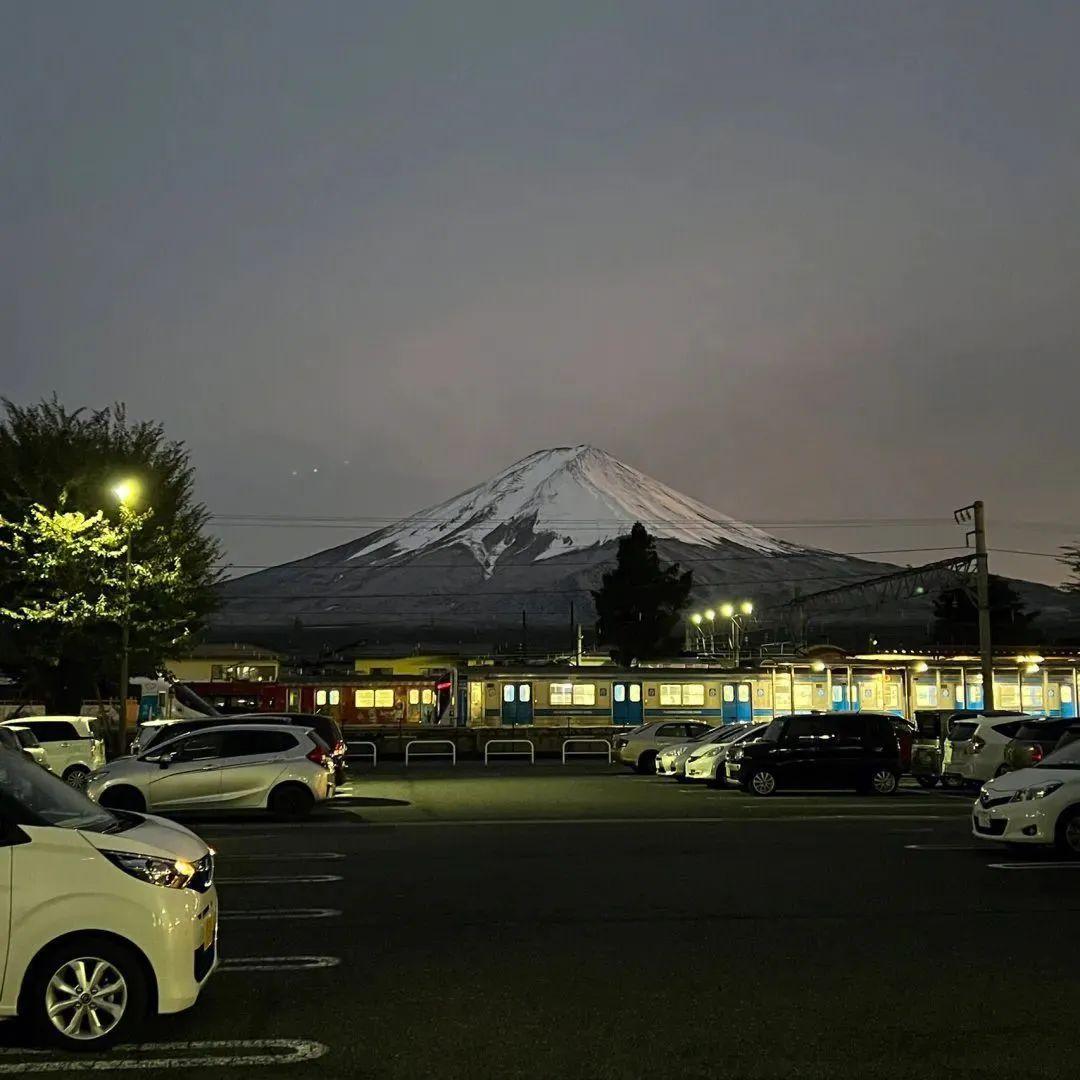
<point>556,501</point>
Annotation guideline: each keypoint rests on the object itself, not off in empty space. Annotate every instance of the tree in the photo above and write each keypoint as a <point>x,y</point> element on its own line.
<point>956,615</point>
<point>640,603</point>
<point>1071,559</point>
<point>64,583</point>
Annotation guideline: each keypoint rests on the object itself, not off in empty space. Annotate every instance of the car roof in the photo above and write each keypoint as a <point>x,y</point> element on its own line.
<point>47,719</point>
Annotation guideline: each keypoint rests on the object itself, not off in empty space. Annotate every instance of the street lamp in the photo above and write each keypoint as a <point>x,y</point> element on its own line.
<point>711,616</point>
<point>126,493</point>
<point>735,617</point>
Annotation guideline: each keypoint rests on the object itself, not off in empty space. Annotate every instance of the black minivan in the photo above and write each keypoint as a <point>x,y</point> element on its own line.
<point>821,750</point>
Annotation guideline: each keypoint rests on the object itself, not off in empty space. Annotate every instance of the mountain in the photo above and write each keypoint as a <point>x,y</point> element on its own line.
<point>515,558</point>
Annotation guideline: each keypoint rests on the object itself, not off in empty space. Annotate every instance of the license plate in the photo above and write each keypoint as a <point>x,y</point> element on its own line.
<point>209,925</point>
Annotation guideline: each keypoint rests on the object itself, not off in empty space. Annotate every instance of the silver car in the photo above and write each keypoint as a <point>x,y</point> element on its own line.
<point>286,770</point>
<point>671,761</point>
<point>638,748</point>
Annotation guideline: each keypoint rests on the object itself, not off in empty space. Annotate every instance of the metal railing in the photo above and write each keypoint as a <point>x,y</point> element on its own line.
<point>373,752</point>
<point>431,742</point>
<point>488,752</point>
<point>585,753</point>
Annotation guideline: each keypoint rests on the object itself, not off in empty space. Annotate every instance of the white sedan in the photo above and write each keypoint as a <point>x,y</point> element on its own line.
<point>707,762</point>
<point>1040,805</point>
<point>241,766</point>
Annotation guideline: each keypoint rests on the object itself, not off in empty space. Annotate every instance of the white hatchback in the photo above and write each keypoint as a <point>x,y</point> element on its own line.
<point>671,761</point>
<point>975,747</point>
<point>71,743</point>
<point>1040,805</point>
<point>236,766</point>
<point>105,915</point>
<point>708,762</point>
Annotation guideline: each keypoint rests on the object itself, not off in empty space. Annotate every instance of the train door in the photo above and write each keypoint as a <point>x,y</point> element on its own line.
<point>626,704</point>
<point>729,703</point>
<point>744,703</point>
<point>517,705</point>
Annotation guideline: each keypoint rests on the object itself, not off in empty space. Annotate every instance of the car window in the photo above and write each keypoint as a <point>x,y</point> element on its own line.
<point>1008,730</point>
<point>53,730</point>
<point>802,727</point>
<point>670,731</point>
<point>1047,729</point>
<point>1064,757</point>
<point>252,743</point>
<point>202,747</point>
<point>29,795</point>
<point>962,731</point>
<point>26,737</point>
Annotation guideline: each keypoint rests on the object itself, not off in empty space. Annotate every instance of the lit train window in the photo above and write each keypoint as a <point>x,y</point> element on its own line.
<point>670,694</point>
<point>414,697</point>
<point>584,694</point>
<point>729,693</point>
<point>635,692</point>
<point>320,697</point>
<point>365,699</point>
<point>335,697</point>
<point>427,697</point>
<point>384,699</point>
<point>524,692</point>
<point>693,694</point>
<point>1066,692</point>
<point>508,692</point>
<point>561,693</point>
<point>620,692</point>
<point>744,692</point>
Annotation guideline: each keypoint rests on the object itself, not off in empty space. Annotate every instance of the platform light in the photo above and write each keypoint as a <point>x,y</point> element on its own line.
<point>818,665</point>
<point>746,607</point>
<point>696,618</point>
<point>921,667</point>
<point>1031,669</point>
<point>710,614</point>
<point>727,610</point>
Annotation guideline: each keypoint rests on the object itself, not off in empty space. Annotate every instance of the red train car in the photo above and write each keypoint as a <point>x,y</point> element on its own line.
<point>351,700</point>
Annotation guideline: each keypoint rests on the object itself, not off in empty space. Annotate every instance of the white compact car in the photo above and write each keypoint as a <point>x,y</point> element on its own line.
<point>671,761</point>
<point>237,766</point>
<point>1040,805</point>
<point>975,747</point>
<point>707,762</point>
<point>23,741</point>
<point>105,915</point>
<point>71,743</point>
<point>638,748</point>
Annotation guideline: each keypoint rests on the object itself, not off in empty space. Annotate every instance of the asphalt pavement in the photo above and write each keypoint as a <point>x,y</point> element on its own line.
<point>587,922</point>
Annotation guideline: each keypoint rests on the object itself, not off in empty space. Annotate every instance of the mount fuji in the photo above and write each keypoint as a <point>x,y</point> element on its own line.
<point>513,559</point>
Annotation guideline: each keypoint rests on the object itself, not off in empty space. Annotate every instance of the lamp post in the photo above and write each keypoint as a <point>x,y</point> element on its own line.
<point>710,617</point>
<point>126,492</point>
<point>735,616</point>
<point>696,620</point>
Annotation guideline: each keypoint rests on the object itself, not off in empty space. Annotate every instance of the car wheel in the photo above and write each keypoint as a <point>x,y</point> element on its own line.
<point>763,782</point>
<point>647,762</point>
<point>291,800</point>
<point>76,777</point>
<point>883,782</point>
<point>927,781</point>
<point>1001,771</point>
<point>123,797</point>
<point>86,994</point>
<point>1067,833</point>
<point>951,782</point>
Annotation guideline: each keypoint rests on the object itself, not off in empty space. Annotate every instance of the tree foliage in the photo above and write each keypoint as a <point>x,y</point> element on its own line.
<point>640,602</point>
<point>956,615</point>
<point>64,584</point>
<point>1071,558</point>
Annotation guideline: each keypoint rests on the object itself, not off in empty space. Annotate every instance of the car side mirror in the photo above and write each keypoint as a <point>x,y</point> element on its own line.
<point>166,760</point>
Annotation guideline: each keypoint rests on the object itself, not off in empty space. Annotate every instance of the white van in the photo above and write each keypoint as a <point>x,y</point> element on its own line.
<point>72,744</point>
<point>103,914</point>
<point>975,747</point>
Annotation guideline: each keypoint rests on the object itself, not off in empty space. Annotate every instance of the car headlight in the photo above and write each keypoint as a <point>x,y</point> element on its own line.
<point>736,753</point>
<point>1040,791</point>
<point>709,751</point>
<point>169,873</point>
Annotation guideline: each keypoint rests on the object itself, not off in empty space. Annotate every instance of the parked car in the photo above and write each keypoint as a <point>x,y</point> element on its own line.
<point>154,731</point>
<point>72,744</point>
<point>23,741</point>
<point>857,750</point>
<point>285,769</point>
<point>709,762</point>
<point>106,916</point>
<point>1032,742</point>
<point>1069,735</point>
<point>975,747</point>
<point>1038,805</point>
<point>671,760</point>
<point>638,748</point>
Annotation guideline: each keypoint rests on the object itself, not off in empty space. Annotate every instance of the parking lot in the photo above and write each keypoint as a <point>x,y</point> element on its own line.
<point>521,921</point>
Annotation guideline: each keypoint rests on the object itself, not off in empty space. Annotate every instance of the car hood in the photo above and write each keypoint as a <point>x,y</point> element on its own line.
<point>1025,778</point>
<point>127,766</point>
<point>152,836</point>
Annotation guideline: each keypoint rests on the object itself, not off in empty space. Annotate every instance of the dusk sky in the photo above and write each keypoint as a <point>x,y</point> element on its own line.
<point>803,261</point>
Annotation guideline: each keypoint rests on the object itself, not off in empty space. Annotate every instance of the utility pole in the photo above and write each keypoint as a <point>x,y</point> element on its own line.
<point>976,514</point>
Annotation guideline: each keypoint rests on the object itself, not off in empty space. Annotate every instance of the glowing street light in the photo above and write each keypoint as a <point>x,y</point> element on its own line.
<point>126,493</point>
<point>696,618</point>
<point>727,610</point>
<point>746,607</point>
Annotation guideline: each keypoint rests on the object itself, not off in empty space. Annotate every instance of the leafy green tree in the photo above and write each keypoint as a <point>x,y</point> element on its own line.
<point>64,585</point>
<point>640,602</point>
<point>956,615</point>
<point>1071,558</point>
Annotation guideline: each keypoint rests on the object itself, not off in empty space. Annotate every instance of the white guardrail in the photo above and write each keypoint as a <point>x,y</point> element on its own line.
<point>372,751</point>
<point>585,753</point>
<point>432,742</point>
<point>510,753</point>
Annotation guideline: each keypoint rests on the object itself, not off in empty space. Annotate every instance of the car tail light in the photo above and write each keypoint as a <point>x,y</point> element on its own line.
<point>339,747</point>
<point>318,755</point>
<point>1036,754</point>
<point>977,744</point>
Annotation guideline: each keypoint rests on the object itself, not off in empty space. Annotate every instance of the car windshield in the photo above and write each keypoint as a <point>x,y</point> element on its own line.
<point>31,796</point>
<point>704,734</point>
<point>1065,757</point>
<point>732,731</point>
<point>26,737</point>
<point>773,732</point>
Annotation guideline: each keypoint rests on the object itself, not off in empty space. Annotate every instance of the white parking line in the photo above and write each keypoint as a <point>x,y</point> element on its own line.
<point>279,913</point>
<point>309,879</point>
<point>238,1053</point>
<point>726,820</point>
<point>1035,865</point>
<point>945,847</point>
<point>278,963</point>
<point>306,856</point>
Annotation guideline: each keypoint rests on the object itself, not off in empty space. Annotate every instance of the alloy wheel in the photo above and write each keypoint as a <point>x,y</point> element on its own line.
<point>763,783</point>
<point>884,782</point>
<point>86,998</point>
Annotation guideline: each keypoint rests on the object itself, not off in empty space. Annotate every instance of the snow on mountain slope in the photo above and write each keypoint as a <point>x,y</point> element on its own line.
<point>565,499</point>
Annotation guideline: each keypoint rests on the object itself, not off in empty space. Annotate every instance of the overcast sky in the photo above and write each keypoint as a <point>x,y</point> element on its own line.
<point>800,260</point>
